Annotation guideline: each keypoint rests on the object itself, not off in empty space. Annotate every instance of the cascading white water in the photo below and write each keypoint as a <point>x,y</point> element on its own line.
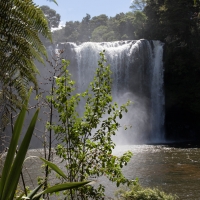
<point>157,93</point>
<point>137,72</point>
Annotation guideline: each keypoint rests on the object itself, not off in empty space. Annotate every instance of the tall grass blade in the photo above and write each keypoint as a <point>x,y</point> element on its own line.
<point>34,192</point>
<point>60,187</point>
<point>12,147</point>
<point>13,177</point>
<point>55,168</point>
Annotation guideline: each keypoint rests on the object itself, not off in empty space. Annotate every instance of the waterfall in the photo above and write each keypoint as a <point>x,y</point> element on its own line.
<point>137,72</point>
<point>157,93</point>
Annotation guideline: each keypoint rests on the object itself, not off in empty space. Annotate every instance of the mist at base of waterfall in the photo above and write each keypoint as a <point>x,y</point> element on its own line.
<point>137,74</point>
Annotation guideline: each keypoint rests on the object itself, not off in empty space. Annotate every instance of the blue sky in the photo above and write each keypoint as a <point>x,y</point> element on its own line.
<point>75,10</point>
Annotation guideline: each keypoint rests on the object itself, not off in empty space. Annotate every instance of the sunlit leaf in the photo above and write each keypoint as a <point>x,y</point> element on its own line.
<point>60,187</point>
<point>54,167</point>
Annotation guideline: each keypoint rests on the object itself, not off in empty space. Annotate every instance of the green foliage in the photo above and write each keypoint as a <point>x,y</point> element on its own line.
<point>98,35</point>
<point>20,46</point>
<point>53,19</point>
<point>51,15</point>
<point>53,1</point>
<point>138,5</point>
<point>101,28</point>
<point>21,21</point>
<point>97,21</point>
<point>13,164</point>
<point>137,192</point>
<point>85,140</point>
<point>56,188</point>
<point>85,29</point>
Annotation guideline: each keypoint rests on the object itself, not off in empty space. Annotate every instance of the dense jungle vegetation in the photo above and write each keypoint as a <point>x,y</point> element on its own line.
<point>177,24</point>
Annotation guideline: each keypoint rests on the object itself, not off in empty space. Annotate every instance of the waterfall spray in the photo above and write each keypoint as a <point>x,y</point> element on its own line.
<point>137,72</point>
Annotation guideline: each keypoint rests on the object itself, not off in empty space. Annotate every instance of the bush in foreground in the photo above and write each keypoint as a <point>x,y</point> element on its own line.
<point>137,192</point>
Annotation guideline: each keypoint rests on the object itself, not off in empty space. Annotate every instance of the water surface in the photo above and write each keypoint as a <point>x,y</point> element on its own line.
<point>172,168</point>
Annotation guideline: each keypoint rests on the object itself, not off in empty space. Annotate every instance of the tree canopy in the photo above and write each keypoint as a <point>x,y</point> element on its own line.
<point>123,26</point>
<point>51,15</point>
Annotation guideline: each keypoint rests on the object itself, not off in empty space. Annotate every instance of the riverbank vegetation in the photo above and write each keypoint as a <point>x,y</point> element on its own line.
<point>137,192</point>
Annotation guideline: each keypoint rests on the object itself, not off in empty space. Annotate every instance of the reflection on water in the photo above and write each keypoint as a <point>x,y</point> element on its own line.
<point>174,169</point>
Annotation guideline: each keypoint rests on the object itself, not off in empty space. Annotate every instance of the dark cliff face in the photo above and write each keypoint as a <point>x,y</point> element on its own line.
<point>182,92</point>
<point>182,125</point>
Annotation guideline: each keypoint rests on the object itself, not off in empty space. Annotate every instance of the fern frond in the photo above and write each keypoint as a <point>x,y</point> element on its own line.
<point>20,23</point>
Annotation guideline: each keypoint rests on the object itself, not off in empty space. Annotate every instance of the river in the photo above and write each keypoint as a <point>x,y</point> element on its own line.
<point>172,168</point>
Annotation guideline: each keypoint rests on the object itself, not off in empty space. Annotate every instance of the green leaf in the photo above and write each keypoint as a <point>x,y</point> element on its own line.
<point>55,2</point>
<point>13,177</point>
<point>61,187</point>
<point>35,191</point>
<point>12,148</point>
<point>64,186</point>
<point>54,167</point>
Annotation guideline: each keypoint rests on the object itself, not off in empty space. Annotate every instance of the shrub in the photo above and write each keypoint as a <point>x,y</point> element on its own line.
<point>85,139</point>
<point>137,192</point>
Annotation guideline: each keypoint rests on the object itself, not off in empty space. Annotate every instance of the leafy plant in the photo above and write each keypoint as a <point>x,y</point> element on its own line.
<point>53,1</point>
<point>137,192</point>
<point>56,188</point>
<point>85,140</point>
<point>13,164</point>
<point>21,24</point>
